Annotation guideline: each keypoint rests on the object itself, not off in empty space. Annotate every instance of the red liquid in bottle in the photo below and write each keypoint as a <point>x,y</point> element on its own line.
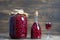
<point>48,26</point>
<point>20,26</point>
<point>35,31</point>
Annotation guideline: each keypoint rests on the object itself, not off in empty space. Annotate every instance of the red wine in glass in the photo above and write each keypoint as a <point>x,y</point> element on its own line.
<point>48,25</point>
<point>18,26</point>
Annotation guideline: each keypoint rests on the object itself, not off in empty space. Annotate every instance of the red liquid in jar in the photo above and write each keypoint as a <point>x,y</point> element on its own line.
<point>20,26</point>
<point>35,32</point>
<point>48,26</point>
<point>11,28</point>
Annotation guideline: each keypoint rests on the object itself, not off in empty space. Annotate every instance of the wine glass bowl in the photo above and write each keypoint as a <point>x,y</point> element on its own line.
<point>48,25</point>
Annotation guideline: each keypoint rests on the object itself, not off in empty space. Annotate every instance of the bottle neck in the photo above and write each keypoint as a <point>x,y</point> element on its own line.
<point>36,19</point>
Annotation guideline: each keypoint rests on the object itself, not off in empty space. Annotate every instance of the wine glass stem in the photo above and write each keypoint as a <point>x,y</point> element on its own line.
<point>49,33</point>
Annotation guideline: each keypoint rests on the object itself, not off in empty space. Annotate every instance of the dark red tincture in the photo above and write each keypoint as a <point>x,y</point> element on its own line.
<point>48,26</point>
<point>18,28</point>
<point>35,31</point>
<point>11,28</point>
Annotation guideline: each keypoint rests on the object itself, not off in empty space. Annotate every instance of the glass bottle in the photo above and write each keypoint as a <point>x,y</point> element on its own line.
<point>36,29</point>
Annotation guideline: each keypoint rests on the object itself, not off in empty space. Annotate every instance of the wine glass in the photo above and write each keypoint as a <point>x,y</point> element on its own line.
<point>48,26</point>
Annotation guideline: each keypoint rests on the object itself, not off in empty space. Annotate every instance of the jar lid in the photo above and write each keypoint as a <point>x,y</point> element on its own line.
<point>20,11</point>
<point>12,13</point>
<point>26,14</point>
